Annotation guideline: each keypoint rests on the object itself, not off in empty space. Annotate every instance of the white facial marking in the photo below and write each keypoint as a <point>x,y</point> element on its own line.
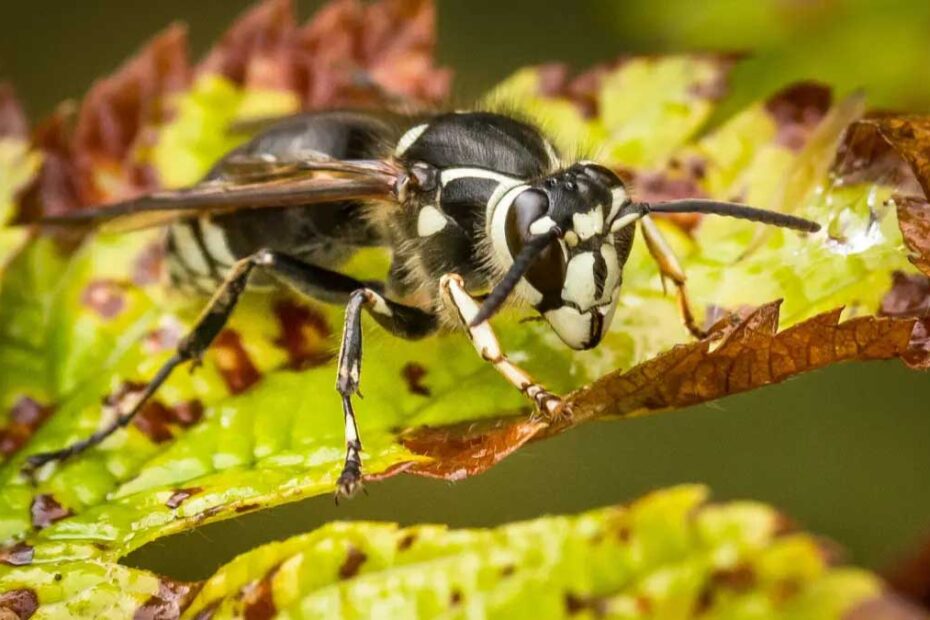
<point>607,311</point>
<point>619,198</point>
<point>571,239</point>
<point>613,268</point>
<point>623,222</point>
<point>542,225</point>
<point>430,221</point>
<point>407,140</point>
<point>586,225</point>
<point>573,327</point>
<point>579,287</point>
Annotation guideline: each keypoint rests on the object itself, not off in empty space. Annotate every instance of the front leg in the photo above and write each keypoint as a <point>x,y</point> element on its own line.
<point>403,321</point>
<point>548,405</point>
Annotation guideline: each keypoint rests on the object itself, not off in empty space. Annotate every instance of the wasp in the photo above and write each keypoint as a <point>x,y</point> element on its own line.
<point>477,210</point>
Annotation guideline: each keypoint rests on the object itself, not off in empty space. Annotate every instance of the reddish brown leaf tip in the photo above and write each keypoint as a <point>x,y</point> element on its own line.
<point>464,450</point>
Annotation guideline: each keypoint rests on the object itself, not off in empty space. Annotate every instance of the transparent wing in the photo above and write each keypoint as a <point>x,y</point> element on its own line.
<point>246,182</point>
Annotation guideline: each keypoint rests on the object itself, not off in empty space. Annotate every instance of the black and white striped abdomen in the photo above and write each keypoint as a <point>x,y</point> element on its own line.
<point>198,255</point>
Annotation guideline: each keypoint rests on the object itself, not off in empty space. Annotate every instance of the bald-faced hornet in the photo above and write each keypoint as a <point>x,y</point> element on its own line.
<point>477,210</point>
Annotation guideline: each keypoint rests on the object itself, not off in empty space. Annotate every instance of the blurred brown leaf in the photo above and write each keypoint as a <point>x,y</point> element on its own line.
<point>13,123</point>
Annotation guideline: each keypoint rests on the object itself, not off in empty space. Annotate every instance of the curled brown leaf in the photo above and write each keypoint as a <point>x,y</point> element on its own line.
<point>745,356</point>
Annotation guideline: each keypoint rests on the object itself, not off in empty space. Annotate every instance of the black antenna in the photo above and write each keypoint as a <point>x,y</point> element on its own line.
<point>521,264</point>
<point>731,209</point>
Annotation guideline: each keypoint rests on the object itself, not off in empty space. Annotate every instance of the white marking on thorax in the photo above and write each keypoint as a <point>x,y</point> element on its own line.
<point>430,221</point>
<point>407,140</point>
<point>452,174</point>
<point>573,327</point>
<point>579,287</point>
<point>586,225</point>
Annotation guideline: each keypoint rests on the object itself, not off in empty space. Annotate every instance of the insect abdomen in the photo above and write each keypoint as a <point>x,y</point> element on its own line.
<point>202,250</point>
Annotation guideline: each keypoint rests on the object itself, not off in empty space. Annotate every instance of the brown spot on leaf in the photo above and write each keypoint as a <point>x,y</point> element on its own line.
<point>105,297</point>
<point>797,110</point>
<point>13,123</point>
<point>147,266</point>
<point>353,562</point>
<point>156,420</point>
<point>170,601</point>
<point>406,542</point>
<point>21,603</point>
<point>179,496</point>
<point>258,598</point>
<point>233,362</point>
<point>304,333</point>
<point>25,417</point>
<point>576,604</point>
<point>246,508</point>
<point>413,375</point>
<point>507,570</point>
<point>739,578</point>
<point>46,510</point>
<point>19,554</point>
<point>455,598</point>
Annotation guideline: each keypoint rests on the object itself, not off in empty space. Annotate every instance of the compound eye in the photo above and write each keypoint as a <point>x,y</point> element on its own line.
<point>602,175</point>
<point>547,275</point>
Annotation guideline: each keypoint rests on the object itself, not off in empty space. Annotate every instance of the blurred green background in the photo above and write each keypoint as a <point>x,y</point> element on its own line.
<point>844,451</point>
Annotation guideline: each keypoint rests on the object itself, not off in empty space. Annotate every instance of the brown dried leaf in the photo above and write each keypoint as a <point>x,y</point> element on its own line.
<point>254,51</point>
<point>120,114</point>
<point>738,358</point>
<point>348,54</point>
<point>877,147</point>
